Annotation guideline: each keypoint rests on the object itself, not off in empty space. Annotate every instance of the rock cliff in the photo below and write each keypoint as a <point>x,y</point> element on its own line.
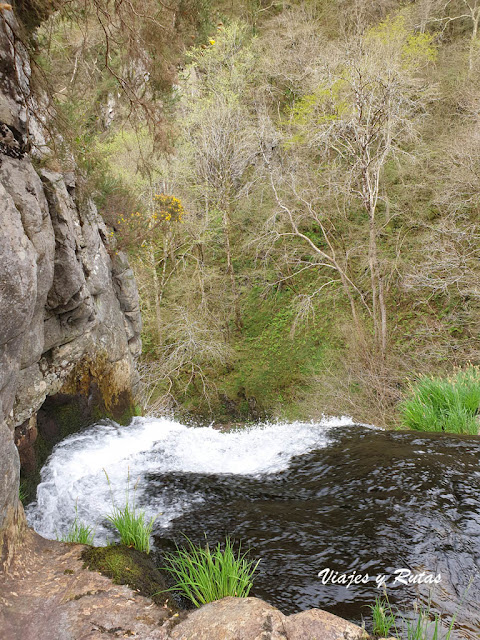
<point>69,308</point>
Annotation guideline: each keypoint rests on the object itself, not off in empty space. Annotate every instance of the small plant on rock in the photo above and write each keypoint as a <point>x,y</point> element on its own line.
<point>203,574</point>
<point>131,523</point>
<point>79,532</point>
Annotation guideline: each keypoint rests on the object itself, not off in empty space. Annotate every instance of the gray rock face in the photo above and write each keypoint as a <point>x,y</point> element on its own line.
<point>69,307</point>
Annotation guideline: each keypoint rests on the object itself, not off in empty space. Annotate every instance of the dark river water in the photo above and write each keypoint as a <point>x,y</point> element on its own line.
<point>352,499</point>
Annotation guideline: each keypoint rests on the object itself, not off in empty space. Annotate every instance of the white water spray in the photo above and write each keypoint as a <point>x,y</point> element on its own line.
<point>75,476</point>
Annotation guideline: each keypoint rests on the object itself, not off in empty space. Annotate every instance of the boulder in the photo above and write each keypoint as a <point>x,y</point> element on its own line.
<point>254,619</point>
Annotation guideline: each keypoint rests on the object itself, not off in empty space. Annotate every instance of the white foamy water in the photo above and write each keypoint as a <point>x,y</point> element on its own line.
<point>75,475</point>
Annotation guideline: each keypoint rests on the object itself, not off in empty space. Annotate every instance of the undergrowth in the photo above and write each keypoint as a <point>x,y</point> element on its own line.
<point>444,404</point>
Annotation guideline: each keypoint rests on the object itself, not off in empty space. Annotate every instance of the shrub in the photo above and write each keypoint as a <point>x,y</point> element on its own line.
<point>204,575</point>
<point>440,404</point>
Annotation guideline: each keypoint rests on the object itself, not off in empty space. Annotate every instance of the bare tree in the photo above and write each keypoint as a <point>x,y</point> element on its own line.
<point>192,348</point>
<point>447,260</point>
<point>297,209</point>
<point>219,132</point>
<point>360,117</point>
<point>446,12</point>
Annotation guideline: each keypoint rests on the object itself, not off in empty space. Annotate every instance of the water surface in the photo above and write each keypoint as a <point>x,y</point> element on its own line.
<point>303,497</point>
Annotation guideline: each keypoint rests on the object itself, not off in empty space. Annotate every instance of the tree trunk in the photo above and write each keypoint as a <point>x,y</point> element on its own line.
<point>230,270</point>
<point>473,39</point>
<point>157,291</point>
<point>379,311</point>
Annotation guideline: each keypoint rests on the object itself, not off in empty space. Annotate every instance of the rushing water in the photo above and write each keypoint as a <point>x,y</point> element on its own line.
<point>303,497</point>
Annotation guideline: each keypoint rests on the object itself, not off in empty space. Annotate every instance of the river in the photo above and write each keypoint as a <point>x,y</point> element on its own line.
<point>304,497</point>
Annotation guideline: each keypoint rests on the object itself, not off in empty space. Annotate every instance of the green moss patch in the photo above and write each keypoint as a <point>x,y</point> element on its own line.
<point>131,567</point>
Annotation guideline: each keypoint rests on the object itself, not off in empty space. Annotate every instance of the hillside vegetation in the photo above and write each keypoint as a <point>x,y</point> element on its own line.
<point>297,185</point>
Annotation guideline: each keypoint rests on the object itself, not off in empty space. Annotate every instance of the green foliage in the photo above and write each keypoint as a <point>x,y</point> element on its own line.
<point>415,49</point>
<point>227,60</point>
<point>383,617</point>
<point>79,532</point>
<point>132,526</point>
<point>204,575</point>
<point>420,624</point>
<point>323,106</point>
<point>130,522</point>
<point>444,404</point>
<point>258,96</point>
<point>274,365</point>
<point>128,155</point>
<point>422,628</point>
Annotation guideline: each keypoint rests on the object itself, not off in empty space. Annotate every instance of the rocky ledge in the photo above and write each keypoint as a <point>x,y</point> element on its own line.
<point>47,594</point>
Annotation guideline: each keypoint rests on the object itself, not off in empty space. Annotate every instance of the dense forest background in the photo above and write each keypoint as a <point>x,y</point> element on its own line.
<point>296,184</point>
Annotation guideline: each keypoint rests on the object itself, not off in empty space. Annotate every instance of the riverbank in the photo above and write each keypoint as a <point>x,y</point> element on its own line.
<point>48,594</point>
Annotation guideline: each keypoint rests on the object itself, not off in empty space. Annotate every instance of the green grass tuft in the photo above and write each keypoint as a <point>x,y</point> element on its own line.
<point>132,526</point>
<point>204,575</point>
<point>134,529</point>
<point>421,624</point>
<point>441,404</point>
<point>79,532</point>
<point>22,492</point>
<point>383,617</point>
<point>424,626</point>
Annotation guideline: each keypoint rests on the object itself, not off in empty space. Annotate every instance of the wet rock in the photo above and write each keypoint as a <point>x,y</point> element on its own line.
<point>25,437</point>
<point>48,594</point>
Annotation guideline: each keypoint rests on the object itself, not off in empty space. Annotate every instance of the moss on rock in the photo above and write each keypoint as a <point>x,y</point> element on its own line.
<point>125,565</point>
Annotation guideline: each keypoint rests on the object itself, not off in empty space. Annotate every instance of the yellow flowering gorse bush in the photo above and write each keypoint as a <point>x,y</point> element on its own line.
<point>164,210</point>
